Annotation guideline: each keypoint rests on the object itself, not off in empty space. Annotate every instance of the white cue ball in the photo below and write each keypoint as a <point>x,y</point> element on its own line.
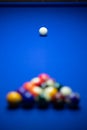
<point>66,90</point>
<point>43,31</point>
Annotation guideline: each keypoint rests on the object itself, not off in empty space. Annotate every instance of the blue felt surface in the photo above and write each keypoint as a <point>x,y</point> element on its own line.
<point>62,54</point>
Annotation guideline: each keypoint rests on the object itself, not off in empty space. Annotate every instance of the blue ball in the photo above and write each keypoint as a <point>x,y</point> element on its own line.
<point>21,91</point>
<point>27,97</point>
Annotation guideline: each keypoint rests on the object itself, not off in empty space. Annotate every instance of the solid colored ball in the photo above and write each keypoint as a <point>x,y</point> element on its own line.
<point>21,90</point>
<point>43,31</point>
<point>66,90</point>
<point>58,86</point>
<point>36,81</point>
<point>44,85</point>
<point>44,77</point>
<point>58,100</point>
<point>28,86</point>
<point>14,98</point>
<point>73,99</point>
<point>28,99</point>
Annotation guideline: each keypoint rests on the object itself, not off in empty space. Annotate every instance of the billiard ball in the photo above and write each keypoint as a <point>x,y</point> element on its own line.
<point>50,82</point>
<point>27,86</point>
<point>47,97</point>
<point>36,81</point>
<point>14,98</point>
<point>43,31</point>
<point>66,90</point>
<point>43,85</point>
<point>58,86</point>
<point>44,77</point>
<point>21,90</point>
<point>28,99</point>
<point>58,100</point>
<point>50,91</point>
<point>73,100</point>
<point>41,101</point>
<point>36,91</point>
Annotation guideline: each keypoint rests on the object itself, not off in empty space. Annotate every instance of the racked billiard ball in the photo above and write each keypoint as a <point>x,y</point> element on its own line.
<point>65,90</point>
<point>43,85</point>
<point>50,82</point>
<point>58,100</point>
<point>27,86</point>
<point>14,98</point>
<point>42,101</point>
<point>21,90</point>
<point>58,86</point>
<point>50,91</point>
<point>28,99</point>
<point>36,91</point>
<point>36,81</point>
<point>73,100</point>
<point>44,77</point>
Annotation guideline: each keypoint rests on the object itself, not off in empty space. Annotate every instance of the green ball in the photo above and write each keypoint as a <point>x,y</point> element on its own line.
<point>44,85</point>
<point>58,86</point>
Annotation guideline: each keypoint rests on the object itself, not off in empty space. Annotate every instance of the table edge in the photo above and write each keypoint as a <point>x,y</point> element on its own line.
<point>40,4</point>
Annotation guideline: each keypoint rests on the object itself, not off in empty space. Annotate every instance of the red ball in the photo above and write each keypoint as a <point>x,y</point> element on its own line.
<point>44,77</point>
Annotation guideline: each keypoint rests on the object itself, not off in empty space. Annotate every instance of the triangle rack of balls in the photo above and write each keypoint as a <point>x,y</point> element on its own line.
<point>43,91</point>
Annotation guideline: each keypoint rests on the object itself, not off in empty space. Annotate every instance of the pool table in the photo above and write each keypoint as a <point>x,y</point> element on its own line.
<point>62,54</point>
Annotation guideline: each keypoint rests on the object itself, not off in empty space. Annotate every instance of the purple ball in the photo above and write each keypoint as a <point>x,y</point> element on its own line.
<point>73,99</point>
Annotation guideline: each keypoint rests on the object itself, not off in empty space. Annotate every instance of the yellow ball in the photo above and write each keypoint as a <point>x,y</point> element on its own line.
<point>14,97</point>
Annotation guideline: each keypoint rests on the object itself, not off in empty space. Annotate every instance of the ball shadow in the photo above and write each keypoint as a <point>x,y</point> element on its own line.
<point>42,107</point>
<point>74,108</point>
<point>60,108</point>
<point>12,107</point>
<point>27,107</point>
<point>43,35</point>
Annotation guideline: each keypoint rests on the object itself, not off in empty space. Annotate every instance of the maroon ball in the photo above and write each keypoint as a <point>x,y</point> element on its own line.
<point>58,100</point>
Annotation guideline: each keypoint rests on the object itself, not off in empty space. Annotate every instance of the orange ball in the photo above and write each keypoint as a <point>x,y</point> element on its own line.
<point>28,86</point>
<point>14,97</point>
